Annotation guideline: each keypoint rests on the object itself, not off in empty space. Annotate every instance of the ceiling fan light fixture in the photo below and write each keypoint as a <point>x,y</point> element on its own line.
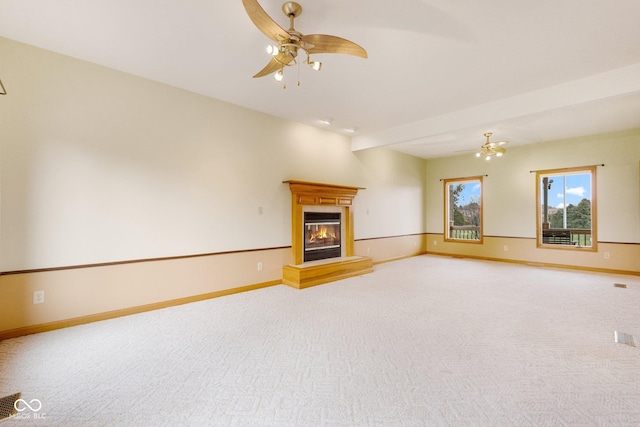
<point>490,149</point>
<point>279,75</point>
<point>289,42</point>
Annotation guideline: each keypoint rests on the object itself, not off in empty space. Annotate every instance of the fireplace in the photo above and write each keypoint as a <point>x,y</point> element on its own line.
<point>322,232</point>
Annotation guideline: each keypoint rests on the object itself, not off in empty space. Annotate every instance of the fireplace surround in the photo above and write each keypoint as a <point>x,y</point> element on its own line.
<point>323,202</point>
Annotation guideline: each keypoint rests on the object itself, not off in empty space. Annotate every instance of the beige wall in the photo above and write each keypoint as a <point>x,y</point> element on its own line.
<point>80,292</point>
<point>391,248</point>
<point>98,166</point>
<point>510,201</point>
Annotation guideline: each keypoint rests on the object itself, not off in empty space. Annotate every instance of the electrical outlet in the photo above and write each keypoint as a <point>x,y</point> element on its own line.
<point>506,248</point>
<point>260,266</point>
<point>606,255</point>
<point>435,243</point>
<point>368,251</point>
<point>38,297</point>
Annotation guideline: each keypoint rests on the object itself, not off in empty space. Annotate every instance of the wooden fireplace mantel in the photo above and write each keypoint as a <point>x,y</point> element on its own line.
<point>316,194</point>
<point>304,194</point>
<point>313,193</point>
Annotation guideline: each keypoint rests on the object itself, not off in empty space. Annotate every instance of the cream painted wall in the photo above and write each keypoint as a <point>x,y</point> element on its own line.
<point>100,166</point>
<point>395,192</point>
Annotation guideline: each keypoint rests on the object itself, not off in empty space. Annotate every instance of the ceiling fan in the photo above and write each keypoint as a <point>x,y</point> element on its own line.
<point>490,149</point>
<point>291,41</point>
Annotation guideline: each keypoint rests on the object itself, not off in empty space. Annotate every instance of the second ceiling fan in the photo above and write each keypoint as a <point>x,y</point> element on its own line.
<point>489,149</point>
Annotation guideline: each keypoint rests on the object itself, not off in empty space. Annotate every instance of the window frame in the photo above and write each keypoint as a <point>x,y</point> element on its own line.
<point>454,181</point>
<point>594,208</point>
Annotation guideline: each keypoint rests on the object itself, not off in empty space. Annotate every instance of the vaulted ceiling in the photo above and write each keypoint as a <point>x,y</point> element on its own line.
<point>439,74</point>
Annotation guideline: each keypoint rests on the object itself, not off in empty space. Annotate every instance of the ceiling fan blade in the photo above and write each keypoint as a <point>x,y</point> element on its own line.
<point>264,22</point>
<point>274,65</point>
<point>323,43</point>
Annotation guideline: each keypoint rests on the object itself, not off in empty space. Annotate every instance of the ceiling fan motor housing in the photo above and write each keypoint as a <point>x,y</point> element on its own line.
<point>291,9</point>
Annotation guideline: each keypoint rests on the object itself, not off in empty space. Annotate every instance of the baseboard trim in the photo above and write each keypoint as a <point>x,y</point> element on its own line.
<point>60,324</point>
<point>540,264</point>
<point>389,237</point>
<point>398,258</point>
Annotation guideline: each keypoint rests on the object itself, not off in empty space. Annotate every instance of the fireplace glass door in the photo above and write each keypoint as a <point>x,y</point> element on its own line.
<point>322,235</point>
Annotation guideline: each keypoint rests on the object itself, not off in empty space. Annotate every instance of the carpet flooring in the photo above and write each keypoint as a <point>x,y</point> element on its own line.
<point>424,341</point>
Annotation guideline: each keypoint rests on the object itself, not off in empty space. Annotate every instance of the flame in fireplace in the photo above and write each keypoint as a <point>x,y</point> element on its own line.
<point>322,233</point>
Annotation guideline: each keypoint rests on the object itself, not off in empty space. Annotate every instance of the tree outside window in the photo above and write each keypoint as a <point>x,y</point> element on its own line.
<point>566,208</point>
<point>463,209</point>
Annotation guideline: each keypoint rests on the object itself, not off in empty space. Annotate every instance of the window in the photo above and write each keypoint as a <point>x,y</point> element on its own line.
<point>463,209</point>
<point>566,214</point>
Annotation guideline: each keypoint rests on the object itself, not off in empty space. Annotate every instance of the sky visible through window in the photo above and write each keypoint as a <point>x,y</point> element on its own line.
<point>578,187</point>
<point>471,193</point>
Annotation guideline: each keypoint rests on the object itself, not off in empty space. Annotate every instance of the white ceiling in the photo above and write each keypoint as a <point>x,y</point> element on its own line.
<point>440,73</point>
